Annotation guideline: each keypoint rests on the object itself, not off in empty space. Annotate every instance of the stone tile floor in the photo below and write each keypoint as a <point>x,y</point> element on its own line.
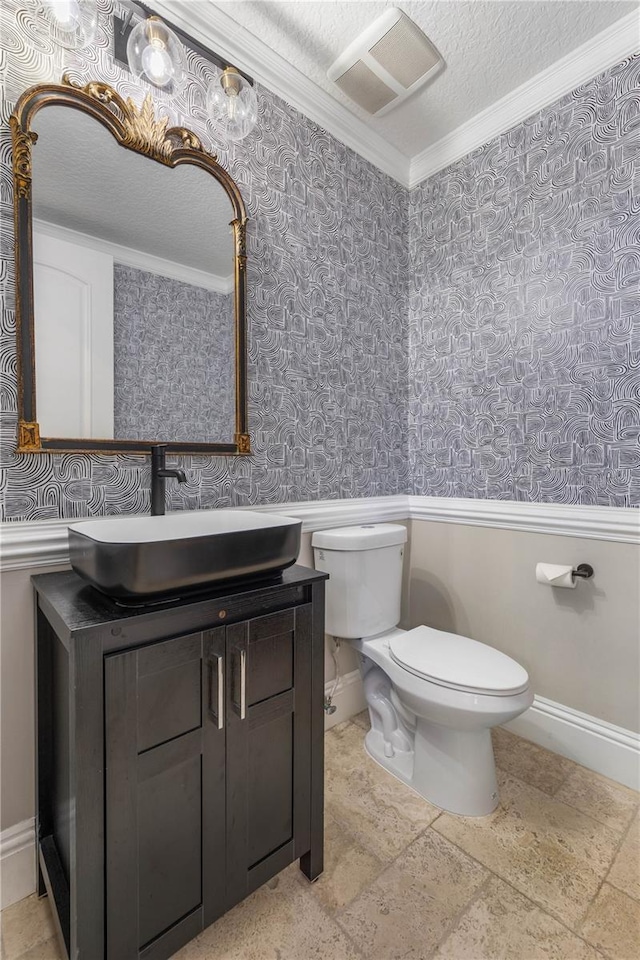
<point>553,874</point>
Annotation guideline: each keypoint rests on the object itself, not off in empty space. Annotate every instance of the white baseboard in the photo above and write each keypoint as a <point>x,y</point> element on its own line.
<point>17,863</point>
<point>600,746</point>
<point>348,698</point>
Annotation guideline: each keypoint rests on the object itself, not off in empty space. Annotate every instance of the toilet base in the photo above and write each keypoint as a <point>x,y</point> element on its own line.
<point>452,769</point>
<point>400,766</point>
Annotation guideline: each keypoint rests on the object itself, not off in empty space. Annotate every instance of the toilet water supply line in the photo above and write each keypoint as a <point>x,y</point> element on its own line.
<point>329,706</point>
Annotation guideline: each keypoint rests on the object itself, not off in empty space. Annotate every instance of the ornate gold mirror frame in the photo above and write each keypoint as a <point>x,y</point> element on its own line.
<point>139,130</point>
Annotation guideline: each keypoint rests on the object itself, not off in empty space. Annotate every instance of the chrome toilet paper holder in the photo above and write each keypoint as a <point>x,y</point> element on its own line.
<point>584,571</point>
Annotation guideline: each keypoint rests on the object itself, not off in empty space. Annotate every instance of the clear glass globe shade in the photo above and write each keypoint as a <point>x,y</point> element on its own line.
<point>232,105</point>
<point>65,12</point>
<point>72,23</point>
<point>156,55</point>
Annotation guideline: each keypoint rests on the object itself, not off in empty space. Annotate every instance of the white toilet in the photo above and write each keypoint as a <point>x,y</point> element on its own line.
<point>432,696</point>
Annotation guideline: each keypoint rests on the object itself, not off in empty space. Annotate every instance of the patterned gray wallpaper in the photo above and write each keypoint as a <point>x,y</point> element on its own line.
<point>327,313</point>
<point>174,359</point>
<point>516,375</point>
<point>524,308</point>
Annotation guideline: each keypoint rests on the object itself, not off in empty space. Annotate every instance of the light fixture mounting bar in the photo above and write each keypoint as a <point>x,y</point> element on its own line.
<point>123,27</point>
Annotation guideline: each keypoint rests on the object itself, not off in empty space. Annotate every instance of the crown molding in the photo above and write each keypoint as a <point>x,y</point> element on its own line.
<point>210,25</point>
<point>610,46</point>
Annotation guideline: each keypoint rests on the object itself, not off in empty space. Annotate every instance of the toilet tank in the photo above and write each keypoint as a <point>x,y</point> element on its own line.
<point>364,564</point>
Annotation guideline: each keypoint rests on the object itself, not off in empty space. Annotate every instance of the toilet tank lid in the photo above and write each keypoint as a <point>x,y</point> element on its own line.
<point>365,536</point>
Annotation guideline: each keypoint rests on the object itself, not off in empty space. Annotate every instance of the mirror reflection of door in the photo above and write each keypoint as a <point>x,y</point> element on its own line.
<point>134,291</point>
<point>73,297</point>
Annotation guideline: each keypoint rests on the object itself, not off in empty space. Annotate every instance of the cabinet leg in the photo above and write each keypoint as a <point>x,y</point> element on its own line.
<point>312,863</point>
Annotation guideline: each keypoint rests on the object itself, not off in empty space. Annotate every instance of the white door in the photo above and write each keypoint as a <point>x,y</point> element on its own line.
<point>73,308</point>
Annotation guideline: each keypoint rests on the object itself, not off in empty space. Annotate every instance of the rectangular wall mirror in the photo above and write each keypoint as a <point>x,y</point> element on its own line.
<point>132,273</point>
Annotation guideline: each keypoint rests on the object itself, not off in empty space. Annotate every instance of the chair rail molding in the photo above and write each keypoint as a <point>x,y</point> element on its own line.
<point>44,543</point>
<point>570,520</point>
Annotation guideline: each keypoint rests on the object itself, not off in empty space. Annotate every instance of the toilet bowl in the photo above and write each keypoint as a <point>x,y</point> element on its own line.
<point>432,696</point>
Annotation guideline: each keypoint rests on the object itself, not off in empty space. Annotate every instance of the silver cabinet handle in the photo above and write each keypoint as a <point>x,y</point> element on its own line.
<point>218,717</point>
<point>243,684</point>
<point>220,693</point>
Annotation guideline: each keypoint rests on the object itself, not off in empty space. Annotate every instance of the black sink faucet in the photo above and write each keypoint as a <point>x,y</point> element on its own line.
<point>159,473</point>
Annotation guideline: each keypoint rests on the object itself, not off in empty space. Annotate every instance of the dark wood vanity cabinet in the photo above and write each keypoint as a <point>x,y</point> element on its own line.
<point>179,757</point>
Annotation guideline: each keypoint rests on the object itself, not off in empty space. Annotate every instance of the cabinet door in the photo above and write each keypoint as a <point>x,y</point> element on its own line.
<point>165,794</point>
<point>268,746</point>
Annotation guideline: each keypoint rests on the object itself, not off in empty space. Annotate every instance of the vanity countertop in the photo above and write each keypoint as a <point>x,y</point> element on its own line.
<point>79,610</point>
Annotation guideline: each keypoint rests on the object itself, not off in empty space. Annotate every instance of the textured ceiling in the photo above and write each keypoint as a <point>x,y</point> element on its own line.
<point>489,48</point>
<point>83,180</point>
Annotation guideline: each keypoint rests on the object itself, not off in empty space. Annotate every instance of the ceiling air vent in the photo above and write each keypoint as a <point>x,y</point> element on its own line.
<point>386,64</point>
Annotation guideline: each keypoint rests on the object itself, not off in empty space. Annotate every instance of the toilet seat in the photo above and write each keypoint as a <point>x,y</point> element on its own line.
<point>459,663</point>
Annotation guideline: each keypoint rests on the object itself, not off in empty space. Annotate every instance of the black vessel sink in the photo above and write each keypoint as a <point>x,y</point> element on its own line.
<point>133,557</point>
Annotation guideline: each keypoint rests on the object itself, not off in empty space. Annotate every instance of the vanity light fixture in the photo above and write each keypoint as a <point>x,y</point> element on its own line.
<point>155,52</point>
<point>232,105</point>
<point>156,55</point>
<point>72,23</point>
